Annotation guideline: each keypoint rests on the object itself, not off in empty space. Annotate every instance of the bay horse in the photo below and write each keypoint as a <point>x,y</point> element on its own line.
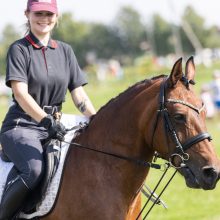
<point>161,114</point>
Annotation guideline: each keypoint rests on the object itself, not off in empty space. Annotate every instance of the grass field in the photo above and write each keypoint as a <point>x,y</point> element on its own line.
<point>183,203</point>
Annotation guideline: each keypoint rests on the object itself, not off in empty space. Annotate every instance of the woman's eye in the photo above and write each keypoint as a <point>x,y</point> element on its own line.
<point>49,14</point>
<point>180,118</point>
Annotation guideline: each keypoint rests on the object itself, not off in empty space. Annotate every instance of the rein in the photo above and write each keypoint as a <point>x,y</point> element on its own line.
<point>136,161</point>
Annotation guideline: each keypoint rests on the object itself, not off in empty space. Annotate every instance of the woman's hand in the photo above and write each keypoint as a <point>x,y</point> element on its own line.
<point>55,128</point>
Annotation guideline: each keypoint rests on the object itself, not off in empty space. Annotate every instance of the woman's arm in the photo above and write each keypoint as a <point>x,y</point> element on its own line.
<point>82,101</point>
<point>26,101</point>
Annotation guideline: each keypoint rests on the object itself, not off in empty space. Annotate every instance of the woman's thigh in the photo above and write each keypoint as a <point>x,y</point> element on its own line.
<point>23,147</point>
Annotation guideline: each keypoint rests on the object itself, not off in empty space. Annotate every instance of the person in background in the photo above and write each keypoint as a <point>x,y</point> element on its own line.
<point>40,70</point>
<point>206,97</point>
<point>215,88</point>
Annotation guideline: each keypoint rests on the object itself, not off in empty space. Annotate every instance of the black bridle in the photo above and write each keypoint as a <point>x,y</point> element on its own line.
<point>170,130</point>
<point>180,150</point>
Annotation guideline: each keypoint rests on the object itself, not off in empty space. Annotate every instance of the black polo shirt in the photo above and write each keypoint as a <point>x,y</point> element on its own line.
<point>48,71</point>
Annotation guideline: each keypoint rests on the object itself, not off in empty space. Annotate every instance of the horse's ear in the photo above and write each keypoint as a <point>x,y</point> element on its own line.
<point>190,69</point>
<point>176,73</point>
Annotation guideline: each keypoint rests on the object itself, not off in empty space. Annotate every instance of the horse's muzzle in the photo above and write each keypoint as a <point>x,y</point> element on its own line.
<point>206,179</point>
<point>210,177</point>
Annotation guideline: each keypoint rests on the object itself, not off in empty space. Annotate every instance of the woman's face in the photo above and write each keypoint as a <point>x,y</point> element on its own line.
<point>41,22</point>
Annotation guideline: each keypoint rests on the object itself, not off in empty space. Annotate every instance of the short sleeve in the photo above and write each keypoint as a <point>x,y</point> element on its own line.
<point>77,76</point>
<point>16,65</point>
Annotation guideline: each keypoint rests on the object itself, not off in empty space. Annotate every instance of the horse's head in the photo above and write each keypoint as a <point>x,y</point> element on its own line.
<point>181,124</point>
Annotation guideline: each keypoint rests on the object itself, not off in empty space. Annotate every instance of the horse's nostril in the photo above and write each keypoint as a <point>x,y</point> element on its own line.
<point>210,173</point>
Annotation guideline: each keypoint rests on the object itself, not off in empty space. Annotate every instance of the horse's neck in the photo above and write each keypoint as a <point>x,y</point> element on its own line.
<point>118,131</point>
<point>117,176</point>
<point>122,131</point>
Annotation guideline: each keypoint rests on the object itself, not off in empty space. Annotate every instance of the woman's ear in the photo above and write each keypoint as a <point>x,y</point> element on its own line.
<point>26,13</point>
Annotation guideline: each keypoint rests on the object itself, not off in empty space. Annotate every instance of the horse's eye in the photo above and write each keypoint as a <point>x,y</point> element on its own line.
<point>180,118</point>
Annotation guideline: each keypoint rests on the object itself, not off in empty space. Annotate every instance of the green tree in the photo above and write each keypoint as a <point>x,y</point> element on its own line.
<point>103,41</point>
<point>129,28</point>
<point>73,33</point>
<point>194,24</point>
<point>9,35</point>
<point>212,37</point>
<point>162,34</point>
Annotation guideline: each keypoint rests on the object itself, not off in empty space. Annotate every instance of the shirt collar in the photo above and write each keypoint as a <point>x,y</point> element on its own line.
<point>37,44</point>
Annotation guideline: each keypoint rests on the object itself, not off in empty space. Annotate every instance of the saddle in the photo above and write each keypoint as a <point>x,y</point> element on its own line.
<point>52,157</point>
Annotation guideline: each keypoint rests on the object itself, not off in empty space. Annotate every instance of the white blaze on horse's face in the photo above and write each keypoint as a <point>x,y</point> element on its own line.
<point>190,149</point>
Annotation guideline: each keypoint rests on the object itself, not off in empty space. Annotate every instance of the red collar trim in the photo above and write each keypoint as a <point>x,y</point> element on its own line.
<point>52,43</point>
<point>29,39</point>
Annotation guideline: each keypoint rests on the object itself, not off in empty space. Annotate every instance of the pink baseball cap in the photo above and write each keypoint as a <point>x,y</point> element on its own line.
<point>42,5</point>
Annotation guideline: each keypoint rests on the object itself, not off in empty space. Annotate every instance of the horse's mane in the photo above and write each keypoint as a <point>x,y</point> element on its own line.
<point>146,82</point>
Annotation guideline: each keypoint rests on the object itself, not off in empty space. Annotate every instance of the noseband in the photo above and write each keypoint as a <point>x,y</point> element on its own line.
<point>170,129</point>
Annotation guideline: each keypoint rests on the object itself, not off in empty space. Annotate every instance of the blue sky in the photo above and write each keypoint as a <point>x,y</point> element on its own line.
<point>105,10</point>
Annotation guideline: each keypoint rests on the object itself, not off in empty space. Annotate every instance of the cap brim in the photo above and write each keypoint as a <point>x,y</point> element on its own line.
<point>44,7</point>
